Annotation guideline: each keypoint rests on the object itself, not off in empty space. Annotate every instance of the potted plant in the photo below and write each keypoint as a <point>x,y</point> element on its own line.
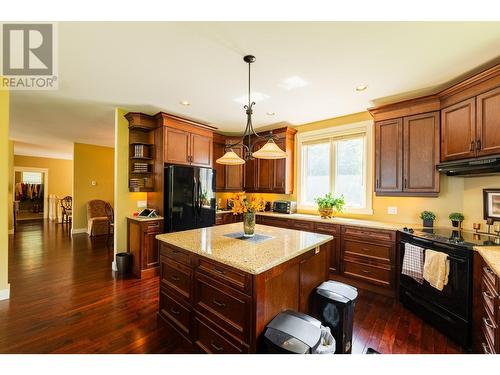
<point>456,219</point>
<point>247,207</point>
<point>428,218</point>
<point>329,204</point>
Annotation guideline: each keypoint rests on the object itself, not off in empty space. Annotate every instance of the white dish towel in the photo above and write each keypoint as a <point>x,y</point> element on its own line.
<point>413,262</point>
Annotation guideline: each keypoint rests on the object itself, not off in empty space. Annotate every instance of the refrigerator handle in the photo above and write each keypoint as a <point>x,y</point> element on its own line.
<point>195,191</point>
<point>199,198</point>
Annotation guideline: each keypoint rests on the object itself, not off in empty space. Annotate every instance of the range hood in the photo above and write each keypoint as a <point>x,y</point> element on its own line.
<point>471,167</point>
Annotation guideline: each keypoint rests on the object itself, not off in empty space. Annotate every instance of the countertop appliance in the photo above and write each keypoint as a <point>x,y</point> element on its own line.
<point>449,310</point>
<point>471,167</point>
<point>285,207</point>
<point>189,198</point>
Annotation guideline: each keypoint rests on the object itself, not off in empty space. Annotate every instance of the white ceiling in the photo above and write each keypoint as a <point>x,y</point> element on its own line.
<point>152,66</point>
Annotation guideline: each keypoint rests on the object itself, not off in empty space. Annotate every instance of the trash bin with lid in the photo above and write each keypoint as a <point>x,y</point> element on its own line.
<point>292,332</point>
<point>334,304</point>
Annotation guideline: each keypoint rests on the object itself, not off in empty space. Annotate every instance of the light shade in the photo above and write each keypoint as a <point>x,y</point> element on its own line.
<point>270,151</point>
<point>230,158</point>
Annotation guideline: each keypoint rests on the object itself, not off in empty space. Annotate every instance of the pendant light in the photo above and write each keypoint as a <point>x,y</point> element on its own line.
<point>270,150</point>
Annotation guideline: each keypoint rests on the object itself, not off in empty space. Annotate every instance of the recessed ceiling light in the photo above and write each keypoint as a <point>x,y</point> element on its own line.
<point>361,88</point>
<point>270,113</point>
<point>255,97</point>
<point>184,102</point>
<point>294,82</point>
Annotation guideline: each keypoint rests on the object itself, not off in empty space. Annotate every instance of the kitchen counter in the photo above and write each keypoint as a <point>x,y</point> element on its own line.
<point>246,255</point>
<point>223,212</point>
<point>137,218</point>
<point>491,255</point>
<point>341,221</point>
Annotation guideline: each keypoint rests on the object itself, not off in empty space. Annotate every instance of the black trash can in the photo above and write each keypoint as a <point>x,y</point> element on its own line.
<point>123,263</point>
<point>334,307</point>
<point>291,332</point>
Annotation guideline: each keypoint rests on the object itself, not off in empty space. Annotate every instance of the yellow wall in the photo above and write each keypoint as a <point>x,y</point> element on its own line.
<point>4,193</point>
<point>125,201</point>
<point>60,172</point>
<point>11,186</point>
<point>91,163</point>
<point>457,193</point>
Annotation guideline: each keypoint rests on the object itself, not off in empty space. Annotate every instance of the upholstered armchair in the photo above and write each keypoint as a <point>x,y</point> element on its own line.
<point>97,218</point>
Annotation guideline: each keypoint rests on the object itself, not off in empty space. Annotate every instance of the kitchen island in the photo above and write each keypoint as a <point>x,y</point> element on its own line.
<point>218,291</point>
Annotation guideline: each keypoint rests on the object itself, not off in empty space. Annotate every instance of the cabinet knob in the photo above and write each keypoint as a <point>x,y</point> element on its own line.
<point>471,146</point>
<point>478,144</point>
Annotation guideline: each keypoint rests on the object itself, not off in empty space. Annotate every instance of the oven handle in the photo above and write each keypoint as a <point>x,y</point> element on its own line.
<point>460,260</point>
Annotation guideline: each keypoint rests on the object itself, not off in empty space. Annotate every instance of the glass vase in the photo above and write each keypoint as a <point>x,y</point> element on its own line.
<point>249,224</point>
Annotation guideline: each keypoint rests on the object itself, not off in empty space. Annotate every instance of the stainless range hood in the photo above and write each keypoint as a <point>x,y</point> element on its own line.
<point>471,167</point>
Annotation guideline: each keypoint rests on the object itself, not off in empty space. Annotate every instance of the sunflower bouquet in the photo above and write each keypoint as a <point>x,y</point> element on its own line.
<point>241,204</point>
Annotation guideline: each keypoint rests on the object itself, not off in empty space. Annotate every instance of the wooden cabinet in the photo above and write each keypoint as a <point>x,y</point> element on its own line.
<point>228,177</point>
<point>458,131</point>
<point>220,169</point>
<point>389,156</point>
<point>406,155</point>
<point>185,148</point>
<point>488,123</point>
<point>143,246</point>
<point>489,311</point>
<point>313,271</point>
<point>222,218</point>
<point>201,150</point>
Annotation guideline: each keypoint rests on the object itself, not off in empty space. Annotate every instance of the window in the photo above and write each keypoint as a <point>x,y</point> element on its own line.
<point>32,177</point>
<point>336,160</point>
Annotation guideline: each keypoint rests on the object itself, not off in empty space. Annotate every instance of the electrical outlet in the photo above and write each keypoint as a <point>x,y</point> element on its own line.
<point>392,210</point>
<point>93,183</point>
<point>142,204</point>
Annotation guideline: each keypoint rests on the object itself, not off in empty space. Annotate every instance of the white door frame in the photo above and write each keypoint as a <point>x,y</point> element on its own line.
<point>45,172</point>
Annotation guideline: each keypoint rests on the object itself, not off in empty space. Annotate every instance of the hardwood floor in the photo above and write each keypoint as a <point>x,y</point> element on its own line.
<point>64,299</point>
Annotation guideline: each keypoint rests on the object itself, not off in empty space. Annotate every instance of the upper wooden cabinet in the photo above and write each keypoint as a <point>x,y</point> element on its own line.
<point>406,155</point>
<point>458,131</point>
<point>228,177</point>
<point>488,123</point>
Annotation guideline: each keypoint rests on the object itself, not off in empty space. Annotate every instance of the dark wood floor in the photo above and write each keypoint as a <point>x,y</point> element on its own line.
<point>64,299</point>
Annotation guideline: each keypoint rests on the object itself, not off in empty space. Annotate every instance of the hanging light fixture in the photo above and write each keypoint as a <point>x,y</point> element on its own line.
<point>270,150</point>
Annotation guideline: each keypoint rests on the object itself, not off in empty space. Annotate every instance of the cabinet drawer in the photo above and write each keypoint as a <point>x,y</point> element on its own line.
<point>225,274</point>
<point>210,341</point>
<point>373,274</point>
<point>377,252</point>
<point>219,219</point>
<point>486,348</point>
<point>177,314</point>
<point>229,309</point>
<point>153,227</point>
<point>177,255</point>
<point>302,225</point>
<point>176,277</point>
<point>368,234</point>
<point>490,297</point>
<point>490,328</point>
<point>331,229</point>
<point>274,221</point>
<point>491,276</point>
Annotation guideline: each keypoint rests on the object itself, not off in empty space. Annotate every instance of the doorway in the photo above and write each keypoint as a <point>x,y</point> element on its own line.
<point>30,193</point>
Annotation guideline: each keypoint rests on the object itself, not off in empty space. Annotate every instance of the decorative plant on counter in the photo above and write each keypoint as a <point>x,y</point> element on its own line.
<point>247,207</point>
<point>329,204</point>
<point>456,219</point>
<point>428,217</point>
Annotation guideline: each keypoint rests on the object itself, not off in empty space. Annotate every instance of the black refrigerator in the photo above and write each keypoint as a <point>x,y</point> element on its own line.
<point>189,198</point>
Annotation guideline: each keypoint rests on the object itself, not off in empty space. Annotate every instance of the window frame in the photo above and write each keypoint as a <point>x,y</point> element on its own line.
<point>330,135</point>
<point>31,173</point>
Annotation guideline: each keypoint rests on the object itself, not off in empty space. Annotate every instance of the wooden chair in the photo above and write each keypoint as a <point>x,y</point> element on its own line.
<point>111,220</point>
<point>67,209</point>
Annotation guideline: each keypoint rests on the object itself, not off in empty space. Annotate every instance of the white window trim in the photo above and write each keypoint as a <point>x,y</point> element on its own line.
<point>365,127</point>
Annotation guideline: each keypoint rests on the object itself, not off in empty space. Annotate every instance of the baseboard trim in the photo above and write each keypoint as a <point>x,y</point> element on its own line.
<point>78,231</point>
<point>5,293</point>
<point>113,266</point>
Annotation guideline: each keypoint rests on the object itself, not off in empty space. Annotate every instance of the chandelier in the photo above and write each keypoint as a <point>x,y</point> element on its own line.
<point>270,150</point>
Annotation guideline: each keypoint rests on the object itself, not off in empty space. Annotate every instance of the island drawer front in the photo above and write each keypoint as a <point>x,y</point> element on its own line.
<point>369,250</point>
<point>238,280</point>
<point>326,228</point>
<point>210,341</point>
<point>368,234</point>
<point>229,309</point>
<point>177,277</point>
<point>490,298</point>
<point>307,226</point>
<point>370,273</point>
<point>491,276</point>
<point>176,313</point>
<point>490,329</point>
<point>177,255</point>
<point>274,221</point>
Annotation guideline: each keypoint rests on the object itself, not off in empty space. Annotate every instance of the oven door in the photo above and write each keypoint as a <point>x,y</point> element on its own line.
<point>456,295</point>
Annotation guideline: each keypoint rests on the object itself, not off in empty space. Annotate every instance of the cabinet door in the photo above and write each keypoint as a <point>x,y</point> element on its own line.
<point>201,150</point>
<point>458,131</point>
<point>488,123</point>
<point>150,250</point>
<point>220,169</point>
<point>234,173</point>
<point>279,169</point>
<point>265,172</point>
<point>388,156</point>
<point>177,146</point>
<point>421,153</point>
<point>313,271</point>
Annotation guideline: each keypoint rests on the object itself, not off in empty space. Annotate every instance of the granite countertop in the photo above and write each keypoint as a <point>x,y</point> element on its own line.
<point>491,255</point>
<point>341,220</point>
<point>245,255</point>
<point>137,218</point>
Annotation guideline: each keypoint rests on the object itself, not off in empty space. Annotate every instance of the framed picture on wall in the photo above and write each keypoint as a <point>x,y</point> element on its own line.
<point>491,204</point>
